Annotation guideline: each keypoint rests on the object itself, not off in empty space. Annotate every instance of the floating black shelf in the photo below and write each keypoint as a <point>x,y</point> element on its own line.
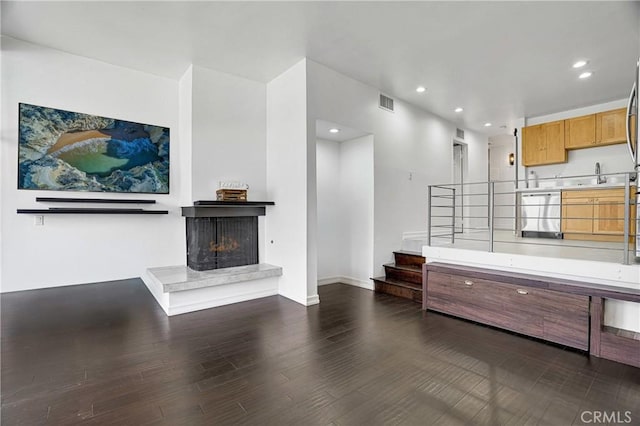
<point>94,200</point>
<point>65,210</point>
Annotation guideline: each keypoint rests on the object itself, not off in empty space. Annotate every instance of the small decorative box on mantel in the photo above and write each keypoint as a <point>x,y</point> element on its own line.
<point>231,195</point>
<point>232,191</point>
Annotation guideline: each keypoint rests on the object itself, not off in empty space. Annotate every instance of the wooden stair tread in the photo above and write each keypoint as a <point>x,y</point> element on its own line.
<point>410,268</point>
<point>399,283</point>
<point>409,253</point>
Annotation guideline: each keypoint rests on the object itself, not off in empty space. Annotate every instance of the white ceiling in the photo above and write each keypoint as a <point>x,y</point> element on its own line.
<point>345,133</point>
<point>498,60</point>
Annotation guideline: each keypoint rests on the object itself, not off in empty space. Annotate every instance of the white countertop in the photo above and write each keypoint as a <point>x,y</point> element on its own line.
<point>573,187</point>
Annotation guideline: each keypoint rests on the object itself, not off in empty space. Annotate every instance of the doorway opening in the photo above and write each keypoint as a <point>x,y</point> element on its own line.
<point>459,165</point>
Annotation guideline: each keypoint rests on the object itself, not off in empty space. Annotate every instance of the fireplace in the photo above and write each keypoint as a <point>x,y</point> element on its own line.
<point>222,234</point>
<point>221,242</point>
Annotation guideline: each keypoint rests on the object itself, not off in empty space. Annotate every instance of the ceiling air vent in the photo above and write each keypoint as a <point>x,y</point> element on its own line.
<point>460,134</point>
<point>386,102</point>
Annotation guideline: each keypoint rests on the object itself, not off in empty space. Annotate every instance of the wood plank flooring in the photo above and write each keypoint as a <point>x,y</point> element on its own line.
<point>106,354</point>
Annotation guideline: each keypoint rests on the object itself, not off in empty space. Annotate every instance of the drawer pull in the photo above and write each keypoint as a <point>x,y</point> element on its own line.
<point>468,282</point>
<point>522,291</point>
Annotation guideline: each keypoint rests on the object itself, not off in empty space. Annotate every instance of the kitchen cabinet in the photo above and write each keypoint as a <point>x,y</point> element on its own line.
<point>596,214</point>
<point>580,132</point>
<point>611,127</point>
<point>544,144</point>
<point>547,143</point>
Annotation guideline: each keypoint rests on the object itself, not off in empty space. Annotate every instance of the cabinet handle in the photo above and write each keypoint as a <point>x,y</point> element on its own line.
<point>468,282</point>
<point>520,291</point>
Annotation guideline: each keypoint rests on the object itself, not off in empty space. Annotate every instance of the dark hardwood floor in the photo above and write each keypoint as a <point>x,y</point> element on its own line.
<point>107,354</point>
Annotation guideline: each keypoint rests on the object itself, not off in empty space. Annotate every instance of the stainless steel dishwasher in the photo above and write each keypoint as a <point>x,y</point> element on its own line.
<point>540,214</point>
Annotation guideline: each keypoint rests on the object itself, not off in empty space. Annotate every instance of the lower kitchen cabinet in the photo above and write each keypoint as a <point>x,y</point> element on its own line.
<point>596,215</point>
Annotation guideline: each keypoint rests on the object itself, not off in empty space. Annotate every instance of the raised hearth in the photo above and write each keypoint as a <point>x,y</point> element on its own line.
<point>179,289</point>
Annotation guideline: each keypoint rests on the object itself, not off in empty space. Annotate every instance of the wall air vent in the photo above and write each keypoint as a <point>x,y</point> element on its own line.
<point>386,102</point>
<point>460,134</point>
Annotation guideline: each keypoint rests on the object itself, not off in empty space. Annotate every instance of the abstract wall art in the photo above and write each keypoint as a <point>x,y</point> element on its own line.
<point>70,151</point>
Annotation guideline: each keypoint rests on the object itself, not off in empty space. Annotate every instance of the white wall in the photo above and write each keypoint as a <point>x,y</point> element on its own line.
<point>412,149</point>
<point>185,118</point>
<point>345,211</point>
<point>229,133</point>
<point>73,249</point>
<point>357,201</point>
<point>612,158</point>
<point>287,234</point>
<point>503,175</point>
<point>331,221</point>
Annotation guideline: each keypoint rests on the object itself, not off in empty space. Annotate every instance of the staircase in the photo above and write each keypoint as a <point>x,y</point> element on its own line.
<point>402,278</point>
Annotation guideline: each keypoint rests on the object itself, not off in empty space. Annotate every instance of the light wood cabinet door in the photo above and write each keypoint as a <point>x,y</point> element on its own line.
<point>543,144</point>
<point>608,213</point>
<point>611,127</point>
<point>596,214</point>
<point>580,132</point>
<point>577,214</point>
<point>554,142</point>
<point>533,146</point>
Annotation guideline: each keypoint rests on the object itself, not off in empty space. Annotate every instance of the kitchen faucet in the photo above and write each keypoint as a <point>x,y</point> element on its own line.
<point>599,179</point>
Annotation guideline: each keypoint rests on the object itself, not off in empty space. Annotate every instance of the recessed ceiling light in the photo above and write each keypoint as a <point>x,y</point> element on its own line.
<point>334,130</point>
<point>585,74</point>
<point>420,89</point>
<point>580,64</point>
<point>458,109</point>
<point>487,124</point>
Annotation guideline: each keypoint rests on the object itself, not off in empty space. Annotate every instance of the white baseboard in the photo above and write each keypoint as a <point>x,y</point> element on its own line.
<point>347,280</point>
<point>329,280</point>
<point>313,300</point>
<point>198,306</point>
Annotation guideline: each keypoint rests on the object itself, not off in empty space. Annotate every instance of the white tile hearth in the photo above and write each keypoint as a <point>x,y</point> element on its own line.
<point>180,278</point>
<point>179,289</point>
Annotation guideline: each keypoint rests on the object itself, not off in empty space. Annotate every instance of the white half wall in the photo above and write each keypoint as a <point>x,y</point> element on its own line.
<point>287,169</point>
<point>76,249</point>
<point>619,314</point>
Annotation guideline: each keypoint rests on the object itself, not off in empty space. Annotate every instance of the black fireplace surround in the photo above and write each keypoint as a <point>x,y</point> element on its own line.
<point>222,234</point>
<point>221,242</point>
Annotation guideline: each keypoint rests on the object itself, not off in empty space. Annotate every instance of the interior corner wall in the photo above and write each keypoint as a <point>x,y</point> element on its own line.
<point>331,223</point>
<point>287,183</point>
<point>412,149</point>
<point>345,210</point>
<point>76,249</point>
<point>229,133</point>
<point>185,109</point>
<point>356,194</point>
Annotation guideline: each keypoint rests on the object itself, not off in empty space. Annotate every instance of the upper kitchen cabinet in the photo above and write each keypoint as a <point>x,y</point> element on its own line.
<point>611,127</point>
<point>580,132</point>
<point>544,144</point>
